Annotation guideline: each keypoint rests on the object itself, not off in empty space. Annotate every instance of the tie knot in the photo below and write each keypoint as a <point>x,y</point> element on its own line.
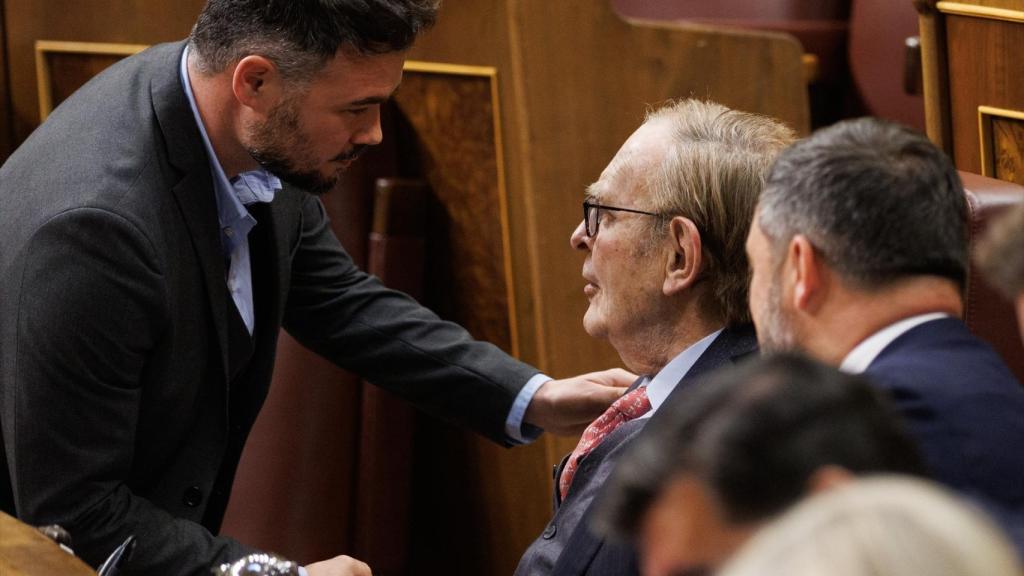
<point>634,403</point>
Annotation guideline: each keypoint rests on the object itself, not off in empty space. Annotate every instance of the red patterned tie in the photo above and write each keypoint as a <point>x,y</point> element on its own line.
<point>631,405</point>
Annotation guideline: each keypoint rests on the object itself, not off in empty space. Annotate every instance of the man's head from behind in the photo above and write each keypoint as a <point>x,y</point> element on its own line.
<point>309,75</point>
<point>737,449</point>
<point>664,235</point>
<point>863,208</point>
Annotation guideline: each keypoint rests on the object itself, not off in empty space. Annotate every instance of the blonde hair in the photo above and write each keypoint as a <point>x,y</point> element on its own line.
<point>882,526</point>
<point>715,166</point>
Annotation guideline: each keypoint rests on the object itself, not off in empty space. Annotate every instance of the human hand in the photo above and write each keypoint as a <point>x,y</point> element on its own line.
<point>338,566</point>
<point>566,407</point>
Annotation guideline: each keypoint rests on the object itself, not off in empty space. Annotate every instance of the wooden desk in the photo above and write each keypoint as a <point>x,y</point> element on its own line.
<point>26,552</point>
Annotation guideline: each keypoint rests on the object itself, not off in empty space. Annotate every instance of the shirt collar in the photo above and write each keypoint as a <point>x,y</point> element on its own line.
<point>662,384</point>
<point>863,354</point>
<point>232,196</point>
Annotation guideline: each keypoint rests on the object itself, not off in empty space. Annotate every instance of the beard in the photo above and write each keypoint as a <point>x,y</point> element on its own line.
<point>280,147</point>
<point>775,332</point>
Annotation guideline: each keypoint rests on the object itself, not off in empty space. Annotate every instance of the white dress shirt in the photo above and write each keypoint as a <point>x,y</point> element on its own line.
<point>863,354</point>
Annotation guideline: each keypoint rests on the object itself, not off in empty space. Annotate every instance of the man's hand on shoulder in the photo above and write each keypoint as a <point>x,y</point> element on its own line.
<point>338,566</point>
<point>566,407</point>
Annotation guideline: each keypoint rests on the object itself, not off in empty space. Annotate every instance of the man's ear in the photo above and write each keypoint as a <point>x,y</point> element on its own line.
<point>684,258</point>
<point>257,84</point>
<point>810,278</point>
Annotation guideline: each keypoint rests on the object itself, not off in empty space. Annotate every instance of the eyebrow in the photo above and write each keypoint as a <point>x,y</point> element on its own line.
<point>369,100</point>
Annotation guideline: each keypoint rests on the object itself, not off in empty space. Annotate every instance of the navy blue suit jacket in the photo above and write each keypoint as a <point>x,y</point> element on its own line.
<point>966,411</point>
<point>588,553</point>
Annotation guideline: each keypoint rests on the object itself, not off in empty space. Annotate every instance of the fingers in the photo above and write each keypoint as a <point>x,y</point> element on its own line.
<point>567,407</point>
<point>339,566</point>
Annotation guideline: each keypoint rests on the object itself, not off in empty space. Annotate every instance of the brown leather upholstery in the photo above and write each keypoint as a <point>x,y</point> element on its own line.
<point>878,30</point>
<point>988,314</point>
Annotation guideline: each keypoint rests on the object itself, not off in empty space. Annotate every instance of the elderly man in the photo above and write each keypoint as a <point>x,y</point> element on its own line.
<point>742,447</point>
<point>859,255</point>
<point>663,231</point>
<point>160,228</point>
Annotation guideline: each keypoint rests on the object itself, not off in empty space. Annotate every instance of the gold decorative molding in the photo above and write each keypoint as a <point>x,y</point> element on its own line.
<point>44,47</point>
<point>985,134</point>
<point>491,74</point>
<point>987,12</point>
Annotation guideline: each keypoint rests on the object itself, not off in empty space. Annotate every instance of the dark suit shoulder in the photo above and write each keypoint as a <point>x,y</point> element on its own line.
<point>961,404</point>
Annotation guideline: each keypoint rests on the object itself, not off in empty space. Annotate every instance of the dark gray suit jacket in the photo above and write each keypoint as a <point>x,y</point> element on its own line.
<point>121,410</point>
<point>568,545</point>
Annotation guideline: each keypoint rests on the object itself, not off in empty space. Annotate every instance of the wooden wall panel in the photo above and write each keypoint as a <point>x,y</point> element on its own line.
<point>989,74</point>
<point>6,121</point>
<point>117,21</point>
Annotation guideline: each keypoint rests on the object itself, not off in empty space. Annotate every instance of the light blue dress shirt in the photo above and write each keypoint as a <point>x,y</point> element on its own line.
<point>236,222</point>
<point>665,381</point>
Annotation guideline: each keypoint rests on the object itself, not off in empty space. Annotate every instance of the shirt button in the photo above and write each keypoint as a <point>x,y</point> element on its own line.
<point>229,232</point>
<point>550,531</point>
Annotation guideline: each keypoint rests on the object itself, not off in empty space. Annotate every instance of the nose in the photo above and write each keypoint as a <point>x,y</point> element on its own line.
<point>579,239</point>
<point>371,134</point>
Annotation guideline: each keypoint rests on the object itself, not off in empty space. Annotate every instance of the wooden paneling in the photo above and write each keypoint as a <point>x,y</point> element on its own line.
<point>6,127</point>
<point>451,112</point>
<point>114,21</point>
<point>1002,143</point>
<point>63,67</point>
<point>1008,144</point>
<point>989,74</point>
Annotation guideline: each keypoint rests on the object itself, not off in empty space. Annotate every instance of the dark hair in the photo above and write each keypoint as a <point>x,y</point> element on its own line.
<point>879,200</point>
<point>300,36</point>
<point>755,434</point>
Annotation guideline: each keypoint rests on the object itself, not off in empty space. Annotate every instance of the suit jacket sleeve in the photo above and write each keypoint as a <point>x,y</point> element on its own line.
<point>349,317</point>
<point>91,307</point>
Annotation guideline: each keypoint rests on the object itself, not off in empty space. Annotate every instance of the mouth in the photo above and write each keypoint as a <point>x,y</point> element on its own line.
<point>591,288</point>
<point>347,158</point>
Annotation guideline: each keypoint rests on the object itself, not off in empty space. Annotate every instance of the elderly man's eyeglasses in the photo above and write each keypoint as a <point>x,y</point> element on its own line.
<point>592,215</point>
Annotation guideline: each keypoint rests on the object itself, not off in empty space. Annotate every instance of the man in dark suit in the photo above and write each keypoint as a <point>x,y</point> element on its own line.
<point>859,256</point>
<point>729,455</point>
<point>150,255</point>
<point>666,274</point>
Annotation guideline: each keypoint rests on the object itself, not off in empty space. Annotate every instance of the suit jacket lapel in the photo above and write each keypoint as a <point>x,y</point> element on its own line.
<point>731,346</point>
<point>194,191</point>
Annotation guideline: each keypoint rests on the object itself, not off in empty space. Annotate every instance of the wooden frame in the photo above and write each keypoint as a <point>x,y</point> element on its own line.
<point>973,10</point>
<point>985,116</point>
<point>491,74</point>
<point>45,47</point>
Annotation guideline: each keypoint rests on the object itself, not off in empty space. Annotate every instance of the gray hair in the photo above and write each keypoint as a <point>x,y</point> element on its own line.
<point>714,169</point>
<point>878,200</point>
<point>888,526</point>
